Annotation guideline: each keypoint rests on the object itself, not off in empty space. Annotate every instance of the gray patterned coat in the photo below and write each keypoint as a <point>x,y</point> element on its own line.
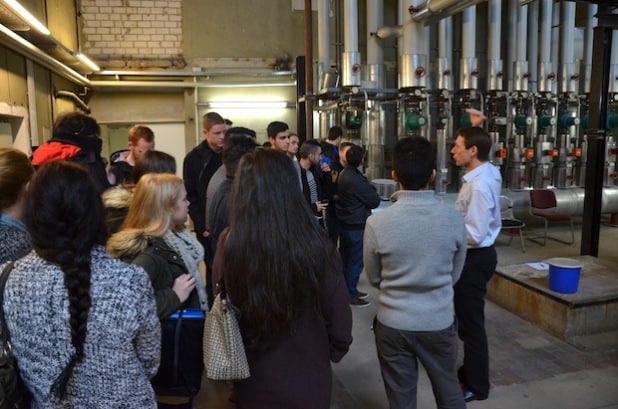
<point>14,243</point>
<point>122,346</point>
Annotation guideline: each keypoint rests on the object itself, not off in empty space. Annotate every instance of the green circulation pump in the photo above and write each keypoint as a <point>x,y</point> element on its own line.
<point>567,120</point>
<point>522,120</point>
<point>545,120</point>
<point>353,121</point>
<point>415,121</point>
<point>612,121</point>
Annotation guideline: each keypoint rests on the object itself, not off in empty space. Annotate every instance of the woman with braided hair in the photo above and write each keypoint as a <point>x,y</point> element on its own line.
<point>83,325</point>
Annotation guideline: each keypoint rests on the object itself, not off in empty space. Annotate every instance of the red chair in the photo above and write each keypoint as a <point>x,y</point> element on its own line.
<point>543,205</point>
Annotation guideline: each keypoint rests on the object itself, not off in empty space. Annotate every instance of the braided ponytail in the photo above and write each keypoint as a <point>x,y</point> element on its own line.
<point>64,216</point>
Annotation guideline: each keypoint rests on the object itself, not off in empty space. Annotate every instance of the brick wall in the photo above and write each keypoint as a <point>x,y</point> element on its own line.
<point>132,33</point>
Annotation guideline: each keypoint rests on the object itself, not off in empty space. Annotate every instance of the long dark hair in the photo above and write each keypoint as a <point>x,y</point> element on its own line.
<point>276,255</point>
<point>64,216</point>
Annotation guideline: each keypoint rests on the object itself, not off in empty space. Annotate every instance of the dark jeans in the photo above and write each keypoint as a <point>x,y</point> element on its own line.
<point>351,249</point>
<point>470,292</point>
<point>399,352</point>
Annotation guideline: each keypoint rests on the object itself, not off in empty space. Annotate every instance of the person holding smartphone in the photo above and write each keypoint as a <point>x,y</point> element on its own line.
<point>314,174</point>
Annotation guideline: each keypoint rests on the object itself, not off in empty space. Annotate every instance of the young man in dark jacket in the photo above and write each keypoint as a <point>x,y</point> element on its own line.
<point>356,198</point>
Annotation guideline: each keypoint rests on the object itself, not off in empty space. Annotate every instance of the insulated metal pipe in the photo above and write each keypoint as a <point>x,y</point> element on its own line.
<point>567,34</point>
<point>412,50</point>
<point>522,32</point>
<point>351,61</point>
<point>323,39</point>
<point>375,53</point>
<point>591,22</point>
<point>512,43</point>
<point>468,78</point>
<point>545,26</point>
<point>495,73</point>
<point>533,45</point>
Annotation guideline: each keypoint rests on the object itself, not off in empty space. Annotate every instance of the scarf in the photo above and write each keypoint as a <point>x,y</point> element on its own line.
<point>192,254</point>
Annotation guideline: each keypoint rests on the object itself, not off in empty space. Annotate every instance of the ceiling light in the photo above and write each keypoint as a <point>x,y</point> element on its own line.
<point>87,61</point>
<point>248,104</point>
<point>25,14</point>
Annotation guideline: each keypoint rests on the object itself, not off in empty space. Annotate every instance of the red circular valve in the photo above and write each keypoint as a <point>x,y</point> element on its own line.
<point>551,76</point>
<point>475,73</point>
<point>420,72</point>
<point>356,68</point>
<point>500,74</point>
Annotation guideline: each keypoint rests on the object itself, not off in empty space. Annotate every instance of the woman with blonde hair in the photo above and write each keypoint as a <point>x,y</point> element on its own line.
<point>154,237</point>
<point>15,174</point>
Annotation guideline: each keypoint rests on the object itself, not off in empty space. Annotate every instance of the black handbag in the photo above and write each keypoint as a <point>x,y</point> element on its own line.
<point>13,393</point>
<point>180,372</point>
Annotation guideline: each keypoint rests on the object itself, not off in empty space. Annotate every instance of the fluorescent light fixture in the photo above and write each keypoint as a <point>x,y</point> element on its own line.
<point>248,104</point>
<point>87,61</point>
<point>25,14</point>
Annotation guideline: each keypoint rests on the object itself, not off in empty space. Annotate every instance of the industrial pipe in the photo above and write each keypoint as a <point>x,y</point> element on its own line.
<point>375,54</point>
<point>591,22</point>
<point>323,40</point>
<point>351,59</point>
<point>495,72</point>
<point>74,98</point>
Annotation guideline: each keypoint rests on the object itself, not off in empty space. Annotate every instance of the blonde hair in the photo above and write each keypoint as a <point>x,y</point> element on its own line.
<point>151,209</point>
<point>15,171</point>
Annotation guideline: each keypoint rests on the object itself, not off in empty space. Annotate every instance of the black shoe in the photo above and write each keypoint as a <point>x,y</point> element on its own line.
<point>358,302</point>
<point>362,295</point>
<point>469,396</point>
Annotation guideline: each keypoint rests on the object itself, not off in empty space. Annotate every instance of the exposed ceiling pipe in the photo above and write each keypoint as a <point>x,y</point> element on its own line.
<point>99,85</point>
<point>351,61</point>
<point>74,98</point>
<point>16,43</point>
<point>495,74</point>
<point>323,39</point>
<point>591,22</point>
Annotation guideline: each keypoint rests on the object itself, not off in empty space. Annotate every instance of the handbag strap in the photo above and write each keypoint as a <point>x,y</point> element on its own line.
<point>3,278</point>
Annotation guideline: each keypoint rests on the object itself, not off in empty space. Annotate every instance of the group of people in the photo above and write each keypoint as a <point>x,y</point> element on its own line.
<point>95,269</point>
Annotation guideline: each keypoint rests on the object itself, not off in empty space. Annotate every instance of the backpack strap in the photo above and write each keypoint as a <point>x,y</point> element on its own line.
<point>3,278</point>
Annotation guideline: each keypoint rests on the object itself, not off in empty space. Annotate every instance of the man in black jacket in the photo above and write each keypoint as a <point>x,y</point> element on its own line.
<point>356,198</point>
<point>198,167</point>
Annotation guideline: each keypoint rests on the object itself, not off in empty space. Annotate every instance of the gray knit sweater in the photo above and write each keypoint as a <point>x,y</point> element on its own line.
<point>414,252</point>
<point>122,343</point>
<point>14,243</point>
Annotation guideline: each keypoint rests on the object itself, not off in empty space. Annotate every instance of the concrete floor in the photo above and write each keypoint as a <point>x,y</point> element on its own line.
<point>529,367</point>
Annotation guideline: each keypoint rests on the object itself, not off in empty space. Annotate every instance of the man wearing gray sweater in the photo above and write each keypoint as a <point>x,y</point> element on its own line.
<point>413,253</point>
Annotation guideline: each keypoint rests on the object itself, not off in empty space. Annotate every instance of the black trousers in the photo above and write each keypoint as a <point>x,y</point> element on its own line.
<point>470,293</point>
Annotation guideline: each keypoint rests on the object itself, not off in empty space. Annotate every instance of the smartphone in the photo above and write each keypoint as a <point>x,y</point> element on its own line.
<point>189,314</point>
<point>324,159</point>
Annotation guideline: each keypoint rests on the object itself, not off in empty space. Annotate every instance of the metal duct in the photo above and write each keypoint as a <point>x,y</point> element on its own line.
<point>445,54</point>
<point>351,60</point>
<point>16,43</point>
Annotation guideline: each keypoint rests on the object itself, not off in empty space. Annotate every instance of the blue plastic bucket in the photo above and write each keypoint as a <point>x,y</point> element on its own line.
<point>564,274</point>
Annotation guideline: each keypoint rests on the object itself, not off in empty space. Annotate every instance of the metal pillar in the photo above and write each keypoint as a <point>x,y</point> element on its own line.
<point>599,85</point>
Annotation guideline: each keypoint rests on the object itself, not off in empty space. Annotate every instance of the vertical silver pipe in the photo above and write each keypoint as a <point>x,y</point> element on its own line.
<point>533,44</point>
<point>412,49</point>
<point>522,32</point>
<point>375,53</point>
<point>468,42</point>
<point>567,35</point>
<point>545,25</point>
<point>494,80</point>
<point>591,22</point>
<point>323,40</point>
<point>350,64</point>
<point>35,140</point>
<point>468,77</point>
<point>512,43</point>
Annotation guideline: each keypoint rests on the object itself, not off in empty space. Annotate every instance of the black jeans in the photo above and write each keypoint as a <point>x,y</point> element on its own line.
<point>470,293</point>
<point>399,352</point>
